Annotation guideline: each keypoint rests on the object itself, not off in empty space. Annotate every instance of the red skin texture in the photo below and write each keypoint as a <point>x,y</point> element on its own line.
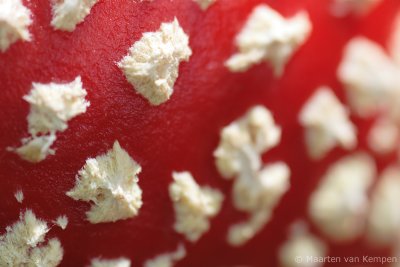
<point>178,135</point>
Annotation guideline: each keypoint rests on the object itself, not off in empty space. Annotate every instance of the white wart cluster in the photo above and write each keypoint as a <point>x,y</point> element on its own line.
<point>371,79</point>
<point>110,183</point>
<point>257,189</point>
<point>68,13</point>
<point>339,206</point>
<point>267,36</point>
<point>152,65</point>
<point>193,205</point>
<point>327,124</point>
<point>120,262</point>
<point>384,136</point>
<point>24,244</point>
<point>167,259</point>
<point>301,247</point>
<point>15,19</point>
<point>384,216</point>
<point>51,107</point>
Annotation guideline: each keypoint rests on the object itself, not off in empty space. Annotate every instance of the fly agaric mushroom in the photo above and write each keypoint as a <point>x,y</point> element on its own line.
<point>199,132</point>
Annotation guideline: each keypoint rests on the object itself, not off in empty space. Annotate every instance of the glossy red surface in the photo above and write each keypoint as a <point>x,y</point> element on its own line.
<point>178,135</point>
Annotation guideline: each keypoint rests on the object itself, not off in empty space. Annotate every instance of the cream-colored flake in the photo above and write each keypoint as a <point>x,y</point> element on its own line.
<point>120,262</point>
<point>257,193</point>
<point>267,36</point>
<point>204,4</point>
<point>15,19</point>
<point>300,248</point>
<point>69,13</point>
<point>339,205</point>
<point>240,233</point>
<point>19,196</point>
<point>257,189</point>
<point>384,216</point>
<point>263,188</point>
<point>110,182</point>
<point>370,77</point>
<point>23,244</point>
<point>35,149</point>
<point>152,65</point>
<point>62,221</point>
<point>384,136</point>
<point>50,255</point>
<point>359,7</point>
<point>194,205</point>
<point>54,104</point>
<point>327,124</point>
<point>244,140</point>
<point>167,259</point>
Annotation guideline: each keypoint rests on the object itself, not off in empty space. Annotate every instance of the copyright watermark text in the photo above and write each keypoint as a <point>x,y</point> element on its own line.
<point>351,259</point>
